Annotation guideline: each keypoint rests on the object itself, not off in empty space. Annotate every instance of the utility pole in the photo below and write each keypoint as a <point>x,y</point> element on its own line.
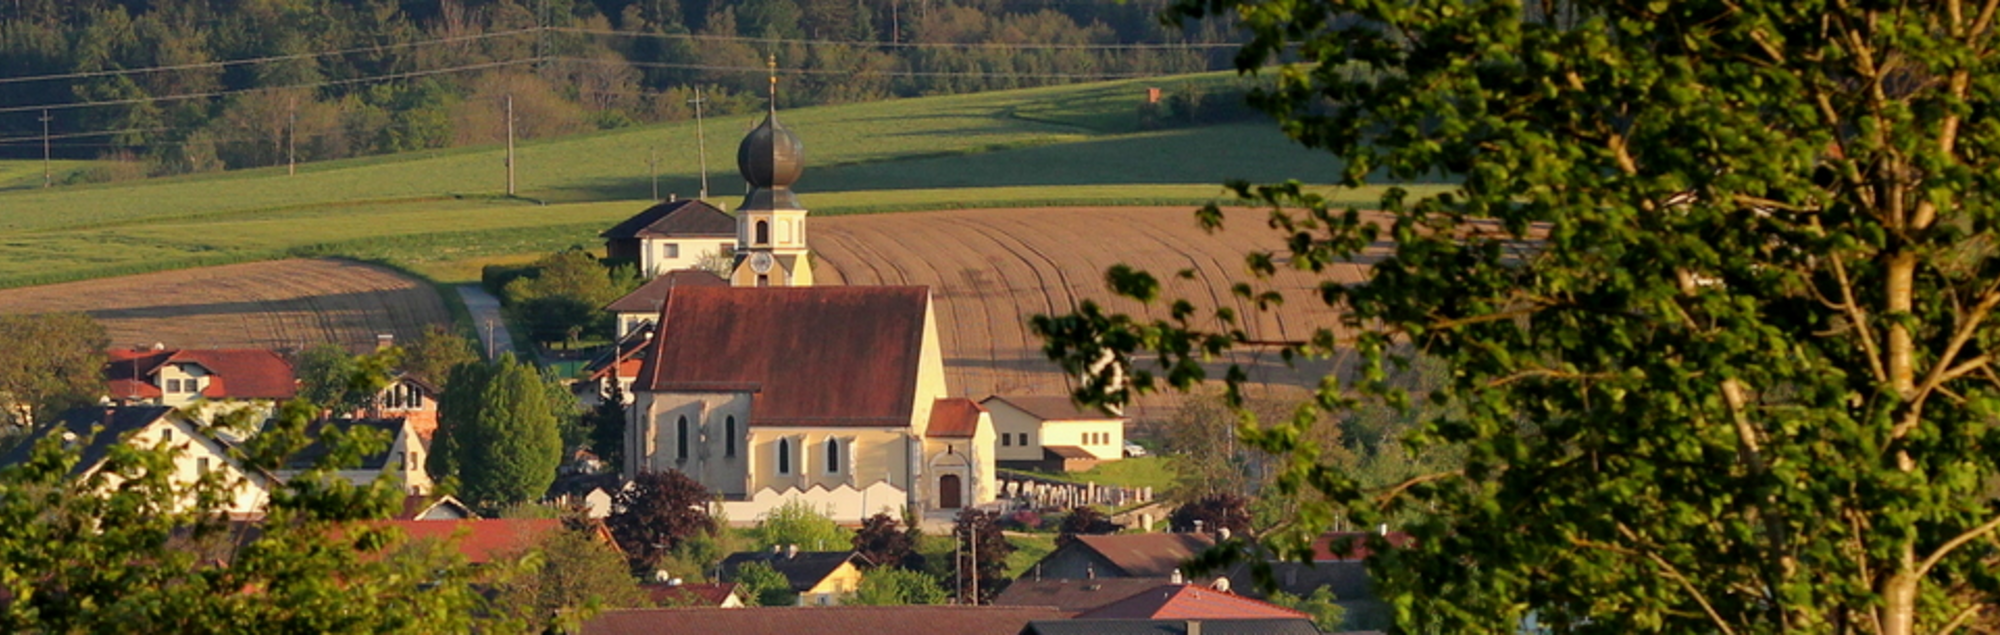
<point>510,145</point>
<point>974,532</point>
<point>292,139</point>
<point>48,174</point>
<point>700,143</point>
<point>653,167</point>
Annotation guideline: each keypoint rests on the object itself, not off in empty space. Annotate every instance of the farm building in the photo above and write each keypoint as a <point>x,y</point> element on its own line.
<point>190,379</point>
<point>1051,433</point>
<point>196,452</point>
<point>671,236</point>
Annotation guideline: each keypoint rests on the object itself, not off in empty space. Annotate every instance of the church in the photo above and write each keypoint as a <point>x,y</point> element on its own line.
<point>771,389</point>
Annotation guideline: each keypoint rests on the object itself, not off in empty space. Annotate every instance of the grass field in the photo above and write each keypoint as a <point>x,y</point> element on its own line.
<point>440,213</point>
<point>22,175</point>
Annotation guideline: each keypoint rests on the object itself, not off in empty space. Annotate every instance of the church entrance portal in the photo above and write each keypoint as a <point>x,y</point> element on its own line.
<point>949,492</point>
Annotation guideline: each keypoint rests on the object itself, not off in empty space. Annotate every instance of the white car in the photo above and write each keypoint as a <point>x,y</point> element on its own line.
<point>1133,450</point>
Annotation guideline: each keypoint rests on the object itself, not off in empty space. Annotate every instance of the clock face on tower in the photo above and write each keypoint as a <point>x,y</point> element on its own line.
<point>760,262</point>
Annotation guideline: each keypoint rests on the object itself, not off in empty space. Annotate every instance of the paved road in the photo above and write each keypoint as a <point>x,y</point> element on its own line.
<point>485,310</point>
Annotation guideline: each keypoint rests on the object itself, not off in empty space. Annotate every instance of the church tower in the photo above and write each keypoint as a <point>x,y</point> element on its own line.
<point>771,224</point>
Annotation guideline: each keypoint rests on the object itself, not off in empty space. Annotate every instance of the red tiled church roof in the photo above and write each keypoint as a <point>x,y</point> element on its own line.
<point>954,417</point>
<point>815,356</point>
<point>1189,602</point>
<point>235,373</point>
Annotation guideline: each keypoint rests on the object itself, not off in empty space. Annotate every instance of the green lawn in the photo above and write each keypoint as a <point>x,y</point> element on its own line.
<point>27,174</point>
<point>1156,472</point>
<point>1028,549</point>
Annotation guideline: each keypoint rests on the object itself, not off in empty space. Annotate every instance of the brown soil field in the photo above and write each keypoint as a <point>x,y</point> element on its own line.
<point>992,269</point>
<point>284,304</point>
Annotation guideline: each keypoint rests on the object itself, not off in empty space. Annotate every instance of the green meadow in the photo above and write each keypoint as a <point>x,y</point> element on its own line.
<point>433,212</point>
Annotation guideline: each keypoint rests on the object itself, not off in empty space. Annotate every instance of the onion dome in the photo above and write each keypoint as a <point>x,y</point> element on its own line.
<point>771,156</point>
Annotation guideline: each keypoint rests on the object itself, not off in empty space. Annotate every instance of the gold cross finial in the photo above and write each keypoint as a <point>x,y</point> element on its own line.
<point>772,63</point>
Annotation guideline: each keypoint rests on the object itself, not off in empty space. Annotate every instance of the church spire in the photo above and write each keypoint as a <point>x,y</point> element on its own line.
<point>772,63</point>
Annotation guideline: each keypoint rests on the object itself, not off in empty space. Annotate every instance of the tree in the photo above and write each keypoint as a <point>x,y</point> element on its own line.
<point>1712,283</point>
<point>884,542</point>
<point>128,545</point>
<point>458,411</point>
<point>508,449</point>
<point>341,382</point>
<point>432,355</point>
<point>51,363</point>
<point>656,514</point>
<point>982,555</point>
<point>559,298</point>
<point>566,579</point>
<point>891,586</point>
<point>1085,520</point>
<point>1326,614</point>
<point>799,523</point>
<point>764,585</point>
<point>1214,512</point>
<point>606,425</point>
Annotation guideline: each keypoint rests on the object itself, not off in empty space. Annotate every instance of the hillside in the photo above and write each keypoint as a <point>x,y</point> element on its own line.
<point>1069,145</point>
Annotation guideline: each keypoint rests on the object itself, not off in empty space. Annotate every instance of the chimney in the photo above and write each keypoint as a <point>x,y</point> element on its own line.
<point>1193,627</point>
<point>1177,578</point>
<point>1089,571</point>
<point>791,551</point>
<point>1197,525</point>
<point>384,340</point>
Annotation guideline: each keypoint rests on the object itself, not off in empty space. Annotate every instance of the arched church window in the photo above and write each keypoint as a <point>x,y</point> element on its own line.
<point>832,456</point>
<point>681,439</point>
<point>763,232</point>
<point>729,436</point>
<point>784,456</point>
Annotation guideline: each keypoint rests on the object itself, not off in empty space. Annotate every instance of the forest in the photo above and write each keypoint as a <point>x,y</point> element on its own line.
<point>184,86</point>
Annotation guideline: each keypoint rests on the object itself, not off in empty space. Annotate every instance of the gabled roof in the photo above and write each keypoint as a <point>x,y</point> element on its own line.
<point>1189,602</point>
<point>1295,626</point>
<point>1049,408</point>
<point>483,539</point>
<point>1141,555</point>
<point>690,217</point>
<point>805,569</point>
<point>861,620</point>
<point>393,427</point>
<point>118,422</point>
<point>417,506</point>
<point>625,359</point>
<point>1074,596</point>
<point>690,594</point>
<point>235,373</point>
<point>648,297</point>
<point>815,356</point>
<point>954,418</point>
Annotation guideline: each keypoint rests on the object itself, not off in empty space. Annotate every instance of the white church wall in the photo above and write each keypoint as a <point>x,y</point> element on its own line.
<point>844,504</point>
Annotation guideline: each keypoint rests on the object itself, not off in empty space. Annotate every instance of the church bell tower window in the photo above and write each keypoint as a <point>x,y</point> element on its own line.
<point>763,232</point>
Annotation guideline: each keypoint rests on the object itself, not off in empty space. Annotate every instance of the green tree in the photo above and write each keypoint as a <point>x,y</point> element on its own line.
<point>797,522</point>
<point>433,354</point>
<point>605,424</point>
<point>1712,283</point>
<point>1326,614</point>
<point>1085,520</point>
<point>51,363</point>
<point>892,586</point>
<point>508,449</point>
<point>458,412</point>
<point>567,578</point>
<point>764,586</point>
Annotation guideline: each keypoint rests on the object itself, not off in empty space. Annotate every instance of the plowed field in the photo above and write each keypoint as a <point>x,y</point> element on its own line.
<point>992,269</point>
<point>284,304</point>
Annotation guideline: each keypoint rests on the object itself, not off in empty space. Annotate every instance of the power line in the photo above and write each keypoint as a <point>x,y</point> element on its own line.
<point>262,89</point>
<point>913,45</point>
<point>856,73</point>
<point>261,60</point>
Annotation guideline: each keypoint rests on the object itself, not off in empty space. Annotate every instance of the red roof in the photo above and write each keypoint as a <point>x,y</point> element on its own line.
<point>864,620</point>
<point>815,356</point>
<point>1144,555</point>
<point>690,594</point>
<point>484,539</point>
<point>234,373</point>
<point>954,417</point>
<point>1356,543</point>
<point>1189,602</point>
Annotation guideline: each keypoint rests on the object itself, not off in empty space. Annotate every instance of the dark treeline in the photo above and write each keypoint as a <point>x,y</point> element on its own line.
<point>339,78</point>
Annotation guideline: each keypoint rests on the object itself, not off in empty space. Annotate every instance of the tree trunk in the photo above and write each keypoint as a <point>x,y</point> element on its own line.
<point>1899,604</point>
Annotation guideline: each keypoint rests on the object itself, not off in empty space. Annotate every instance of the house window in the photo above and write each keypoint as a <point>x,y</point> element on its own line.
<point>832,456</point>
<point>173,385</point>
<point>201,465</point>
<point>167,435</point>
<point>670,250</point>
<point>1006,440</point>
<point>1023,439</point>
<point>729,436</point>
<point>784,456</point>
<point>681,439</point>
<point>763,232</point>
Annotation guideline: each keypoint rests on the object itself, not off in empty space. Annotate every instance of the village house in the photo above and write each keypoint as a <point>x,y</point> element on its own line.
<point>1120,556</point>
<point>820,578</point>
<point>210,381</point>
<point>428,507</point>
<point>1052,434</point>
<point>675,594</point>
<point>772,390</point>
<point>196,453</point>
<point>671,236</point>
<point>409,398</point>
<point>638,308</point>
<point>402,460</point>
<point>860,620</point>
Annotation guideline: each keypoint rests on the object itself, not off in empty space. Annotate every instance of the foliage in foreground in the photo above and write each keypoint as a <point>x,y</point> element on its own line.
<point>1715,298</point>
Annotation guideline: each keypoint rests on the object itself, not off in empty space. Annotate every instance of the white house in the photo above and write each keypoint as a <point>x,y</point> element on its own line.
<point>96,429</point>
<point>671,236</point>
<point>402,460</point>
<point>1042,432</point>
